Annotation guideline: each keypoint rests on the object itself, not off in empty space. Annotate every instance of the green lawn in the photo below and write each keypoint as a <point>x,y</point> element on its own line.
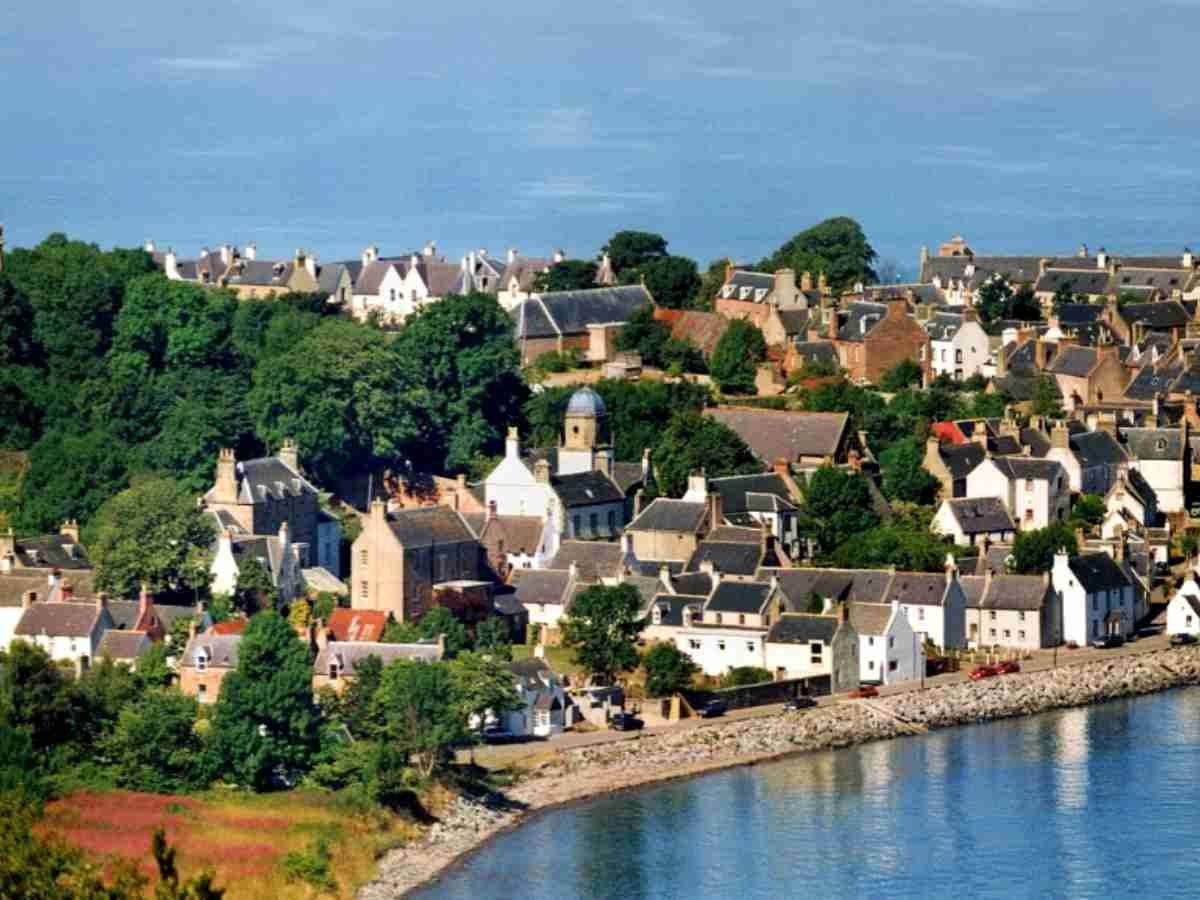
<point>560,659</point>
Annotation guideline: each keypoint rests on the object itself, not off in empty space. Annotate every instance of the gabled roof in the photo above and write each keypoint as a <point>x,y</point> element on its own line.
<point>429,526</point>
<point>671,607</point>
<point>870,619</point>
<point>1097,572</point>
<point>59,619</point>
<point>702,329</point>
<point>348,656</point>
<point>518,533</point>
<point>541,586</point>
<point>980,515</point>
<point>627,475</point>
<point>1074,361</point>
<point>268,478</point>
<point>777,434</point>
<point>1026,593</point>
<point>860,320</point>
<point>665,514</point>
<point>694,583</point>
<point>14,586</point>
<point>1096,448</point>
<point>1153,443</point>
<point>739,597</point>
<point>736,534</point>
<point>794,321</point>
<point>123,644</point>
<point>570,312</point>
<point>220,649</point>
<point>357,624</point>
<point>917,589</point>
<point>1165,314</point>
<point>795,628</point>
<point>1078,281</point>
<point>593,560</point>
<point>1023,467</point>
<point>586,489</point>
<point>737,492</point>
<point>52,551</point>
<point>852,585</point>
<point>727,558</point>
<point>961,461</point>
<point>1015,269</point>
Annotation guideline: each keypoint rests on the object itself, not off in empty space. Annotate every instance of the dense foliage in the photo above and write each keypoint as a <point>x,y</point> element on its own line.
<point>568,275</point>
<point>693,443</point>
<point>668,669</point>
<point>837,508</point>
<point>603,628</point>
<point>836,247</point>
<point>734,363</point>
<point>1034,551</point>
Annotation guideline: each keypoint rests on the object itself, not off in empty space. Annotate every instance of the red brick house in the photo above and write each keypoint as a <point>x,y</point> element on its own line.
<point>873,337</point>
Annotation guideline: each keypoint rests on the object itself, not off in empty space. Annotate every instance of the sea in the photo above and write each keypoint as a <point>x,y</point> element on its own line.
<point>1102,801</point>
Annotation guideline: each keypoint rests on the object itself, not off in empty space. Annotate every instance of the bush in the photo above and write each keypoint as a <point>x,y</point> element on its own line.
<point>312,866</point>
<point>740,676</point>
<point>668,670</point>
<point>554,361</point>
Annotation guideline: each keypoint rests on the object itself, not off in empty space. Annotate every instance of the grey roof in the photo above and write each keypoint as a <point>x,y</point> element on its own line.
<point>320,579</point>
<point>870,618</point>
<point>1076,314</point>
<point>350,654</point>
<point>776,434</point>
<point>1019,387</point>
<point>428,526</point>
<point>853,585</point>
<point>794,628</point>
<point>1097,448</point>
<point>1079,281</point>
<point>1167,314</point>
<point>1074,361</point>
<point>1153,443</point>
<point>1151,381</point>
<point>695,583</point>
<point>860,320</point>
<point>665,514</point>
<point>541,586</point>
<point>1019,592</point>
<point>727,558</point>
<point>962,460</point>
<point>221,650</point>
<point>981,515</point>
<point>570,312</point>
<point>671,606</point>
<point>593,559</point>
<point>736,534</point>
<point>14,586</point>
<point>739,597</point>
<point>646,585</point>
<point>123,644</point>
<point>52,551</point>
<point>586,489</point>
<point>1097,571</point>
<point>1025,467</point>
<point>59,619</point>
<point>943,326</point>
<point>1014,269</point>
<point>736,492</point>
<point>817,351</point>
<point>585,402</point>
<point>1037,442</point>
<point>917,589</point>
<point>270,477</point>
<point>627,475</point>
<point>1023,359</point>
<point>794,321</point>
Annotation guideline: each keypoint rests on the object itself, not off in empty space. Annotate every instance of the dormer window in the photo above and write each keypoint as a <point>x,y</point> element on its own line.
<point>333,671</point>
<point>1161,444</point>
<point>657,615</point>
<point>201,662</point>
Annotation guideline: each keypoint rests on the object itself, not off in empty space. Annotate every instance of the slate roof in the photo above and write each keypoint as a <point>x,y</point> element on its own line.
<point>961,461</point>
<point>1023,359</point>
<point>586,489</point>
<point>15,585</point>
<point>52,551</point>
<point>853,585</point>
<point>981,515</point>
<point>918,589</point>
<point>1074,361</point>
<point>1017,592</point>
<point>1097,448</point>
<point>221,649</point>
<point>1076,314</point>
<point>794,321</point>
<point>1079,281</point>
<point>1097,572</point>
<point>58,619</point>
<point>735,534</point>
<point>727,558</point>
<point>357,624</point>
<point>739,597</point>
<point>349,655</point>
<point>1015,269</point>
<point>519,533</point>
<point>1037,442</point>
<point>775,434</point>
<point>1019,387</point>
<point>1153,443</point>
<point>1151,381</point>
<point>570,312</point>
<point>736,491</point>
<point>1167,314</point>
<point>794,628</point>
<point>627,475</point>
<point>541,586</point>
<point>1026,467</point>
<point>694,583</point>
<point>744,278</point>
<point>860,320</point>
<point>123,644</point>
<point>943,326</point>
<point>665,514</point>
<point>671,607</point>
<point>593,559</point>
<point>817,351</point>
<point>870,619</point>
<point>428,526</point>
<point>269,477</point>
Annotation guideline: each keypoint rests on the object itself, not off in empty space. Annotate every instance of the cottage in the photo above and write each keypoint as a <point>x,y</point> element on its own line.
<point>545,708</point>
<point>1012,611</point>
<point>958,344</point>
<point>1092,459</point>
<point>804,645</point>
<point>1098,597</point>
<point>1183,610</point>
<point>207,659</point>
<point>973,521</point>
<point>1161,455</point>
<point>337,662</point>
<point>806,440</point>
<point>889,651</point>
<point>1035,492</point>
<point>70,632</point>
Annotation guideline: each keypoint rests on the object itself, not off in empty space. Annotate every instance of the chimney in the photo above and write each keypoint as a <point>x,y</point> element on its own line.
<point>697,489</point>
<point>897,308</point>
<point>1060,438</point>
<point>1079,538</point>
<point>226,488</point>
<point>284,533</point>
<point>645,464</point>
<point>8,543</point>
<point>664,576</point>
<point>1102,259</point>
<point>951,567</point>
<point>785,286</point>
<point>171,265</point>
<point>310,263</point>
<point>289,455</point>
<point>28,598</point>
<point>70,528</point>
<point>716,513</point>
<point>226,254</point>
<point>823,284</point>
<point>843,610</point>
<point>604,463</point>
<point>1189,409</point>
<point>369,255</point>
<point>541,471</point>
<point>144,600</point>
<point>781,467</point>
<point>512,444</point>
<point>430,249</point>
<point>559,256</point>
<point>149,247</point>
<point>8,562</point>
<point>1106,422</point>
<point>378,512</point>
<point>67,591</point>
<point>806,282</point>
<point>1189,261</point>
<point>511,256</point>
<point>1083,251</point>
<point>101,601</point>
<point>637,502</point>
<point>250,251</point>
<point>573,571</point>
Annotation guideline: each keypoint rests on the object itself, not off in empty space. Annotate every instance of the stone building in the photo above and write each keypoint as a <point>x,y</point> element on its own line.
<point>872,338</point>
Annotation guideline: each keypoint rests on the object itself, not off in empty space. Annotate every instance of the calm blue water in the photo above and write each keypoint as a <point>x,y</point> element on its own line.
<point>1097,802</point>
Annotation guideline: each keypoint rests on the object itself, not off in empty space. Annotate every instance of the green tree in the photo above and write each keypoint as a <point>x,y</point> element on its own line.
<point>35,694</point>
<point>439,622</point>
<point>691,443</point>
<point>645,334</point>
<point>1025,305</point>
<point>837,507</point>
<point>905,373</point>
<point>1046,398</point>
<point>734,363</point>
<point>152,668</point>
<point>630,249</point>
<point>492,636</point>
<point>740,676</point>
<point>680,355</point>
<point>1063,294</point>
<point>264,728</point>
<point>1088,510</point>
<point>396,632</point>
<point>421,711</point>
<point>1033,551</point>
<point>568,275</point>
<point>483,684</point>
<point>671,280</point>
<point>255,590</point>
<point>155,746</point>
<point>603,627</point>
<point>904,474</point>
<point>710,284</point>
<point>836,247</point>
<point>355,706</point>
<point>668,669</point>
<point>100,695</point>
<point>992,300</point>
<point>908,549</point>
<point>461,384</point>
<point>300,613</point>
<point>71,474</point>
<point>151,532</point>
<point>22,770</point>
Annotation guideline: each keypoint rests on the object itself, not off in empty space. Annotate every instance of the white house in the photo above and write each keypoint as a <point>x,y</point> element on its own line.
<point>958,344</point>
<point>546,593</point>
<point>1019,611</point>
<point>278,556</point>
<point>732,627</point>
<point>801,645</point>
<point>889,650</point>
<point>1036,492</point>
<point>1158,454</point>
<point>69,631</point>
<point>546,708</point>
<point>1183,612</point>
<point>934,605</point>
<point>1098,599</point>
<point>976,520</point>
<point>1130,497</point>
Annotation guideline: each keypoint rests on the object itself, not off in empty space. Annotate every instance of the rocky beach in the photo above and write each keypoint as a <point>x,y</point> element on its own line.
<point>591,771</point>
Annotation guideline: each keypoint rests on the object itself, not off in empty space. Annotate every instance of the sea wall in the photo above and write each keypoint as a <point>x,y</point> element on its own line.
<point>603,768</point>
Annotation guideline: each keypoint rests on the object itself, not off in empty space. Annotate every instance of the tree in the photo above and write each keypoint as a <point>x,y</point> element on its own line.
<point>671,280</point>
<point>734,363</point>
<point>668,670</point>
<point>908,549</point>
<point>155,747</point>
<point>691,443</point>
<point>836,247</point>
<point>740,676</point>
<point>1034,551</point>
<point>483,684</point>
<point>461,384</point>
<point>680,355</point>
<point>905,373</point>
<point>837,507</point>
<point>397,632</point>
<point>100,695</point>
<point>644,334</point>
<point>421,710</point>
<point>603,626</point>
<point>992,300</point>
<point>150,533</point>
<point>22,770</point>
<point>254,590</point>
<point>630,249</point>
<point>710,284</point>
<point>71,474</point>
<point>492,636</point>
<point>1046,397</point>
<point>36,695</point>
<point>264,729</point>
<point>439,622</point>
<point>300,613</point>
<point>1025,305</point>
<point>355,705</point>
<point>152,668</point>
<point>904,474</point>
<point>1088,510</point>
<point>1063,294</point>
<point>568,275</point>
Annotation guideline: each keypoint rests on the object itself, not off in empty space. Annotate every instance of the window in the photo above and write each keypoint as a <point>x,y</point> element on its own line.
<point>892,665</point>
<point>392,295</point>
<point>1189,621</point>
<point>750,646</point>
<point>1021,617</point>
<point>694,645</point>
<point>720,618</point>
<point>333,671</point>
<point>363,592</point>
<point>958,356</point>
<point>721,646</point>
<point>1007,633</point>
<point>594,522</point>
<point>201,662</point>
<point>992,632</point>
<point>920,613</point>
<point>612,521</point>
<point>891,642</point>
<point>1021,635</point>
<point>871,665</point>
<point>1029,484</point>
<point>1095,603</point>
<point>818,650</point>
<point>577,524</point>
<point>657,615</point>
<point>741,618</point>
<point>992,615</point>
<point>201,692</point>
<point>870,642</point>
<point>362,557</point>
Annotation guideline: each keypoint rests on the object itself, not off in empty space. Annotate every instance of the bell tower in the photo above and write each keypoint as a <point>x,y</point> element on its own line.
<point>584,434</point>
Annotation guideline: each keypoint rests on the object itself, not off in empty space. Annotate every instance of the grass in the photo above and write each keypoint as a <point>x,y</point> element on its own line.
<point>13,464</point>
<point>560,659</point>
<point>243,839</point>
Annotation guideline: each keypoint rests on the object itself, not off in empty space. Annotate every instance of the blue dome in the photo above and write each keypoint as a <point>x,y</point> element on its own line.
<point>585,402</point>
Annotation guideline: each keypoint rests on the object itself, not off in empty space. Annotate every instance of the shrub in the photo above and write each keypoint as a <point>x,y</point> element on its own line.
<point>740,676</point>
<point>311,866</point>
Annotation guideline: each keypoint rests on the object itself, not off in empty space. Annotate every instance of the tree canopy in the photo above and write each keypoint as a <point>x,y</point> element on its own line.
<point>836,247</point>
<point>603,626</point>
<point>629,249</point>
<point>692,443</point>
<point>671,280</point>
<point>668,669</point>
<point>1034,551</point>
<point>568,275</point>
<point>837,507</point>
<point>734,363</point>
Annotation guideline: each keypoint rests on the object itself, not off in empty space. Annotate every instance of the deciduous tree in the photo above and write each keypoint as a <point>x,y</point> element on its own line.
<point>836,247</point>
<point>603,626</point>
<point>421,711</point>
<point>568,275</point>
<point>692,443</point>
<point>734,363</point>
<point>668,669</point>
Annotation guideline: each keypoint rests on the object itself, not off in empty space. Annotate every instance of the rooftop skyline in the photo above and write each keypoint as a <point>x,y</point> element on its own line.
<point>727,129</point>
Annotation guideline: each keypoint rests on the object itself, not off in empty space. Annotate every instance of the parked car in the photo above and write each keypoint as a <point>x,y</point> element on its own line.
<point>936,665</point>
<point>494,734</point>
<point>712,709</point>
<point>798,703</point>
<point>1007,667</point>
<point>865,691</point>
<point>625,722</point>
<point>1182,639</point>
<point>980,672</point>
<point>1108,642</point>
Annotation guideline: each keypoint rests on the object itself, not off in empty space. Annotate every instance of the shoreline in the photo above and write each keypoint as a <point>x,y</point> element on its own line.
<point>586,773</point>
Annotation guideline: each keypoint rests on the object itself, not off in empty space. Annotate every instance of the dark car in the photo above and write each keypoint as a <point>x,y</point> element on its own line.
<point>494,734</point>
<point>625,722</point>
<point>1108,642</point>
<point>797,703</point>
<point>1008,667</point>
<point>712,709</point>
<point>1182,639</point>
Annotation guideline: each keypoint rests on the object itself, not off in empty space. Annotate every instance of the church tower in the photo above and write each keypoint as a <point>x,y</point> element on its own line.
<point>585,446</point>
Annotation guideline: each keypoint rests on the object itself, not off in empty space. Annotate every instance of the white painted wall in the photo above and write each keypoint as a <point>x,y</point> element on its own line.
<point>717,650</point>
<point>1181,619</point>
<point>898,645</point>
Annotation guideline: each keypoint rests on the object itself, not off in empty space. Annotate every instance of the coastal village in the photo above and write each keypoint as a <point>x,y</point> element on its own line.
<point>575,497</point>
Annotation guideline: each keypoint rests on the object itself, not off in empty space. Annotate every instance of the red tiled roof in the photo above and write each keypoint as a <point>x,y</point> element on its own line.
<point>948,431</point>
<point>357,624</point>
<point>233,626</point>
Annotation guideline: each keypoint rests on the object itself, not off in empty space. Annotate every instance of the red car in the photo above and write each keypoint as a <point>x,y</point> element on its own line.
<point>1008,667</point>
<point>983,672</point>
<point>867,690</point>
